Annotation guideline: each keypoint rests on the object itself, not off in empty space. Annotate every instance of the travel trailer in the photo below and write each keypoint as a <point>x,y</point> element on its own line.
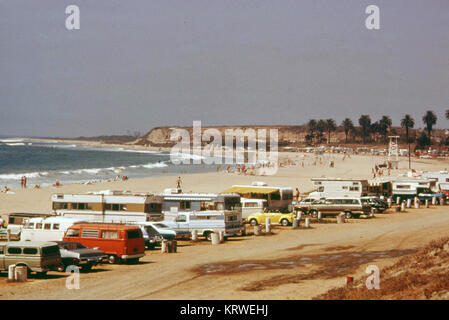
<point>337,187</point>
<point>47,229</point>
<point>107,206</point>
<point>278,198</point>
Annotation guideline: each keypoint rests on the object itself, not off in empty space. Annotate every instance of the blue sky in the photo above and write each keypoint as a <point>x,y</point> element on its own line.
<point>134,65</point>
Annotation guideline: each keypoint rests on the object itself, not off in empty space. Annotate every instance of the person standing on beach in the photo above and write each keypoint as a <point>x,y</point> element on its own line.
<point>297,193</point>
<point>178,183</point>
<point>24,182</point>
<point>21,182</point>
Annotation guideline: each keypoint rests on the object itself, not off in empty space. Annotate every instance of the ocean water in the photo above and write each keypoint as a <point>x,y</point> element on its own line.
<point>44,162</point>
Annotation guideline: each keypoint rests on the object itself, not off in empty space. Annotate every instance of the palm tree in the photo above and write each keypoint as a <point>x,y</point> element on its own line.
<point>331,125</point>
<point>311,125</point>
<point>320,127</point>
<point>408,122</point>
<point>375,129</point>
<point>384,125</point>
<point>429,119</point>
<point>348,125</point>
<point>365,123</point>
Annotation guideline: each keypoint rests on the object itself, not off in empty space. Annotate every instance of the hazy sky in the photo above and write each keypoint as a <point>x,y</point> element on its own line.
<point>134,65</point>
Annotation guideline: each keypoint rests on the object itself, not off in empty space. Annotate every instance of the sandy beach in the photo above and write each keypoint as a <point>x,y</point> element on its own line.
<point>182,275</point>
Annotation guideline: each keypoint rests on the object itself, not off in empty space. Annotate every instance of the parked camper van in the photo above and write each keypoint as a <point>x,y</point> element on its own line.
<point>47,229</point>
<point>278,198</point>
<point>337,187</point>
<point>37,256</point>
<point>109,206</point>
<point>17,220</point>
<point>118,241</point>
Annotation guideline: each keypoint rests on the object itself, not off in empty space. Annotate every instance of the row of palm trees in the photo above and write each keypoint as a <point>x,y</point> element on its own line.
<point>369,129</point>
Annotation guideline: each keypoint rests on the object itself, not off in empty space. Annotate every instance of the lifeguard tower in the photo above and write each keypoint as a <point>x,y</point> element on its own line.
<point>393,152</point>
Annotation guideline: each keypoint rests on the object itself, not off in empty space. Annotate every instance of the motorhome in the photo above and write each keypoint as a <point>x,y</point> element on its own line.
<point>406,188</point>
<point>47,229</point>
<point>206,213</point>
<point>107,206</point>
<point>207,222</point>
<point>441,178</point>
<point>338,187</point>
<point>175,202</point>
<point>278,198</point>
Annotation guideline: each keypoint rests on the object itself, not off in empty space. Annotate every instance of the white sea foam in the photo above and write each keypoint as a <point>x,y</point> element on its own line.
<point>17,176</point>
<point>15,144</point>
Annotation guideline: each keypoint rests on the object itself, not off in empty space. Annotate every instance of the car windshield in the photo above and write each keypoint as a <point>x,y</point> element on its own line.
<point>160,225</point>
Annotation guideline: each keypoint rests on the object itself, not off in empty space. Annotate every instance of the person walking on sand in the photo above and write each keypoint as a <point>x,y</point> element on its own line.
<point>178,183</point>
<point>21,182</point>
<point>24,182</point>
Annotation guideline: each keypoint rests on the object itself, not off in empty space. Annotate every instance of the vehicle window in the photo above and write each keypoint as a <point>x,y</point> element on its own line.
<point>29,226</point>
<point>30,251</point>
<point>56,226</point>
<point>89,233</point>
<point>115,207</point>
<point>2,250</point>
<point>338,201</point>
<point>160,225</point>
<point>81,206</point>
<point>232,218</point>
<point>275,196</point>
<point>50,250</point>
<point>73,233</point>
<point>109,234</point>
<point>38,226</point>
<point>47,226</point>
<point>134,234</point>
<point>60,205</point>
<point>14,250</point>
<point>181,218</point>
<point>184,204</point>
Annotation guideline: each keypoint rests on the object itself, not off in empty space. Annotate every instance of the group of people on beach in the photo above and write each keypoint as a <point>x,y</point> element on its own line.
<point>23,182</point>
<point>378,172</point>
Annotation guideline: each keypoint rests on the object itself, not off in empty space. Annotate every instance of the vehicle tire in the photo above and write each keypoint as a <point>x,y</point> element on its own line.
<point>41,274</point>
<point>348,215</point>
<point>284,222</point>
<point>357,216</point>
<point>208,236</point>
<point>113,259</point>
<point>133,261</point>
<point>314,213</point>
<point>86,267</point>
<point>253,222</point>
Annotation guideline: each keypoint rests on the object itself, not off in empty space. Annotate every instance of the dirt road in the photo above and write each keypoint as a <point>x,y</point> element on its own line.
<point>291,264</point>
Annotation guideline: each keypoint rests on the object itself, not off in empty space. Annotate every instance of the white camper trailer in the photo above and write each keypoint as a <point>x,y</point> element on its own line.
<point>47,229</point>
<point>337,187</point>
<point>116,206</point>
